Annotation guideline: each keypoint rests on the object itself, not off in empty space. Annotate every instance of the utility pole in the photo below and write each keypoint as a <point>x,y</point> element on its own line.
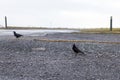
<point>111,23</point>
<point>5,22</point>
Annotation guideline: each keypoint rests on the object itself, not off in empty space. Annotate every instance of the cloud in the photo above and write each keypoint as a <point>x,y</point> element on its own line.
<point>60,13</point>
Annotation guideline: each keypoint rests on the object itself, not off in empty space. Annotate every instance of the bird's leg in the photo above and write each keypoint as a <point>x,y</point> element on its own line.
<point>75,54</point>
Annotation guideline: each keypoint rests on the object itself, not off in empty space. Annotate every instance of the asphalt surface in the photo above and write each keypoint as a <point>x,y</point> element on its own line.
<point>29,59</point>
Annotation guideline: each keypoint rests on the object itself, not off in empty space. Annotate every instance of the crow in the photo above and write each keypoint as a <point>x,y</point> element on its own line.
<point>17,35</point>
<point>76,50</point>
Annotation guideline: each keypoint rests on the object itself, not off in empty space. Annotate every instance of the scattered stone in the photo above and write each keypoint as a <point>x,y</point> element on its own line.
<point>39,49</point>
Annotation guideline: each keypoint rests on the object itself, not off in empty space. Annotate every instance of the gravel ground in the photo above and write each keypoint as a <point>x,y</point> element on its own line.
<point>19,61</point>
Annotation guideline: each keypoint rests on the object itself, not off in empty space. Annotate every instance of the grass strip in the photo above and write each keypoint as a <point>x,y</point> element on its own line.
<point>84,41</point>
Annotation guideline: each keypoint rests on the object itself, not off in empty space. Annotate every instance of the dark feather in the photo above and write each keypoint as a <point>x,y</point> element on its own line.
<point>76,50</point>
<point>17,35</point>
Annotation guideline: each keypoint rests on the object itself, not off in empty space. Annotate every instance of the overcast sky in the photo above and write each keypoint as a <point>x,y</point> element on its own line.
<point>60,13</point>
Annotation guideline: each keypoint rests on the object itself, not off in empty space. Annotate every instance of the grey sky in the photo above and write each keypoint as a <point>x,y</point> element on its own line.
<point>60,13</point>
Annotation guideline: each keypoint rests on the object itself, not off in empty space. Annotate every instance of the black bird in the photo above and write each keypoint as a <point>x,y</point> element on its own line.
<point>76,50</point>
<point>17,35</point>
